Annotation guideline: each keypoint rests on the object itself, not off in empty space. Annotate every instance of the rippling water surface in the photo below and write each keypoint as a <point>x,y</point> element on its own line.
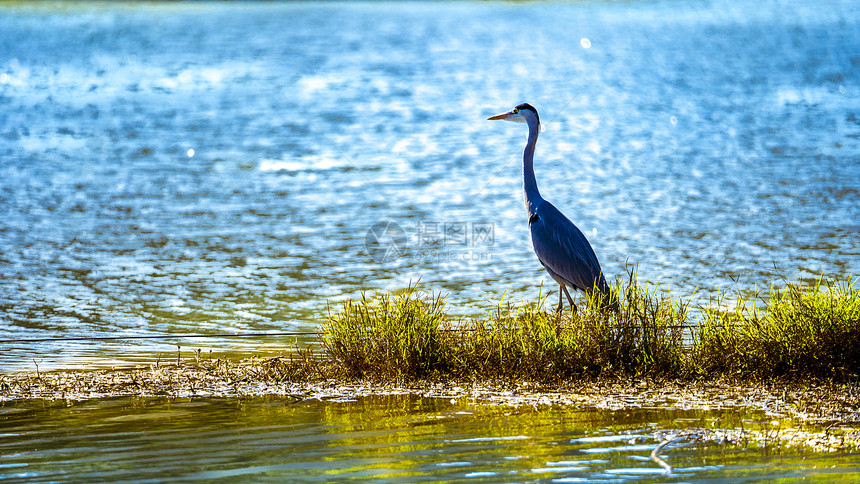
<point>385,439</point>
<point>184,168</point>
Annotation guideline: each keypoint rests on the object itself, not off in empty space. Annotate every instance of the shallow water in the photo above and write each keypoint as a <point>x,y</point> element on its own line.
<point>185,168</point>
<point>387,439</point>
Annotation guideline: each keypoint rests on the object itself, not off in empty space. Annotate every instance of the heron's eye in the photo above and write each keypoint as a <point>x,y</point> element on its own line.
<point>516,111</point>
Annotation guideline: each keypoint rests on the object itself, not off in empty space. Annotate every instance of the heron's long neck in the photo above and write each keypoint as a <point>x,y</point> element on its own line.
<point>532,195</point>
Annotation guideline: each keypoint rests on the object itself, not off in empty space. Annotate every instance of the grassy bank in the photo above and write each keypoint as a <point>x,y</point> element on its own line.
<point>798,331</point>
<point>794,335</point>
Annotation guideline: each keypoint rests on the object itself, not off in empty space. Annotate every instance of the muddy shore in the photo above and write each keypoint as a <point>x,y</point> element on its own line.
<point>821,415</point>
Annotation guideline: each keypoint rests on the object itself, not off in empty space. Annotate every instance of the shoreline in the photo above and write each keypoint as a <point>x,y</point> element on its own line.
<point>824,416</point>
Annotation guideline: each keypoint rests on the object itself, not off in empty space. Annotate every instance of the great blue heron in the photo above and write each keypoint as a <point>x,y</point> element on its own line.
<point>560,246</point>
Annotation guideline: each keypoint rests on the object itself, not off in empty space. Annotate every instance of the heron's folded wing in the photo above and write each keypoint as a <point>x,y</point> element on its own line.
<point>563,248</point>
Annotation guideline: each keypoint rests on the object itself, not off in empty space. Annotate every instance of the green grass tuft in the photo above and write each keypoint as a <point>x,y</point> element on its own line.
<point>802,331</point>
<point>388,337</point>
<point>639,334</point>
<point>799,331</point>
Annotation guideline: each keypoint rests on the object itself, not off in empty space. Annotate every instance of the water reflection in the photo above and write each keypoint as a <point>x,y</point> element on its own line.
<point>396,438</point>
<point>713,144</point>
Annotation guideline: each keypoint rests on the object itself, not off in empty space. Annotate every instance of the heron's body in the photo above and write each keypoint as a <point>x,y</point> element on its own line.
<point>560,246</point>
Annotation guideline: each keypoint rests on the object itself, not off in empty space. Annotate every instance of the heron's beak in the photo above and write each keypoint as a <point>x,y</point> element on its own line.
<point>500,116</point>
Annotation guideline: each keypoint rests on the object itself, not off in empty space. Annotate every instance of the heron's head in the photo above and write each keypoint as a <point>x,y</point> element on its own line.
<point>520,114</point>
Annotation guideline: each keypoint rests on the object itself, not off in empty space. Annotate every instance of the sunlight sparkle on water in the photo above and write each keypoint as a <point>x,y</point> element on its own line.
<point>307,148</point>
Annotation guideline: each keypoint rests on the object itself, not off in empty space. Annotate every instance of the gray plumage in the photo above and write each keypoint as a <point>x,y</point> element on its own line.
<point>559,245</point>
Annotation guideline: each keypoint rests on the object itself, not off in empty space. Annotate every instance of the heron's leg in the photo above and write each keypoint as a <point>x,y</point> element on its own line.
<point>559,307</point>
<point>569,299</point>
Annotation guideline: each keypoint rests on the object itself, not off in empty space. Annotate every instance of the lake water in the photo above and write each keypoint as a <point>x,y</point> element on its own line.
<point>385,439</point>
<point>211,168</point>
<point>175,168</point>
<point>221,167</point>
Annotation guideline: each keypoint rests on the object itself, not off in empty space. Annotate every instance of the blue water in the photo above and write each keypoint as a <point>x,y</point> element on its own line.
<point>216,167</point>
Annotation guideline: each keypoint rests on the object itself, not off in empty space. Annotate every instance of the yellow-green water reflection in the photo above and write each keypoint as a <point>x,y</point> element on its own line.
<point>397,438</point>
